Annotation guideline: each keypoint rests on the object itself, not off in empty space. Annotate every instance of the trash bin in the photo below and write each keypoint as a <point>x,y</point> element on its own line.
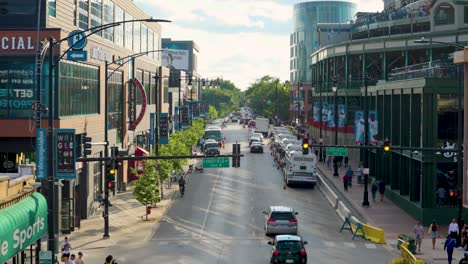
<point>148,209</point>
<point>402,238</point>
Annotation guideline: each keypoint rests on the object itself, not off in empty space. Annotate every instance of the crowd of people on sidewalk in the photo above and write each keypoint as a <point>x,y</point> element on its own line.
<point>67,257</point>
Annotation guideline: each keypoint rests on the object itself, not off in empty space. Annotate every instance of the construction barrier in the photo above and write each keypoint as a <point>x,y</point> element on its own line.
<point>359,229</point>
<point>406,256</point>
<point>327,192</point>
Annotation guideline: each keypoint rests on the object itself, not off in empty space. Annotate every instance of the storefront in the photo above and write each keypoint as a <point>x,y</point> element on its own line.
<point>21,226</point>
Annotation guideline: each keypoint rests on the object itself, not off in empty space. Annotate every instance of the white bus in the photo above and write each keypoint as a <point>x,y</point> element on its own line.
<point>300,168</point>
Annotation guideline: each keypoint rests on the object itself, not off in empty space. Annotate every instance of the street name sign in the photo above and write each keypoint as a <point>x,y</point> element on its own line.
<point>45,257</point>
<point>77,55</point>
<point>216,162</point>
<point>337,152</point>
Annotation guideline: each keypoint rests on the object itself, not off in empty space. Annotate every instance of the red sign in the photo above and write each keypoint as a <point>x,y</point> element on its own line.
<point>135,123</point>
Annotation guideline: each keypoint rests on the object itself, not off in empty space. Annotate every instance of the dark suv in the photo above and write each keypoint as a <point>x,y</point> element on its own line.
<point>288,249</point>
<point>212,148</point>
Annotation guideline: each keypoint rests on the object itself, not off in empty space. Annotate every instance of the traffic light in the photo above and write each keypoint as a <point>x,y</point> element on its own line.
<point>305,146</point>
<point>86,145</point>
<point>386,147</point>
<point>236,151</point>
<point>110,173</point>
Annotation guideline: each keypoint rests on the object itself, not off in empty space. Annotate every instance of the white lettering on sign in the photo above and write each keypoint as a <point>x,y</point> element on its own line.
<point>20,236</point>
<point>16,43</point>
<point>100,54</point>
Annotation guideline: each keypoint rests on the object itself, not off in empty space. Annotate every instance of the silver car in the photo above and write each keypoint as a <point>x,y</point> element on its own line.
<point>280,220</point>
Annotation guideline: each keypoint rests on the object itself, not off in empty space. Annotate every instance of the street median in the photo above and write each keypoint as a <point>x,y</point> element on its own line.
<point>327,192</point>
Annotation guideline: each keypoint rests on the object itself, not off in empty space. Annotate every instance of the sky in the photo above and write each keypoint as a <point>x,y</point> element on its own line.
<point>239,40</point>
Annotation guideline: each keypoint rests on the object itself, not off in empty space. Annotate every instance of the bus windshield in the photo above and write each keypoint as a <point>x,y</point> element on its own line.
<point>213,134</point>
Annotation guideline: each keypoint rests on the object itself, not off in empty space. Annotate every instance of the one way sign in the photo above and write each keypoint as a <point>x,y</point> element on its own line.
<point>77,55</point>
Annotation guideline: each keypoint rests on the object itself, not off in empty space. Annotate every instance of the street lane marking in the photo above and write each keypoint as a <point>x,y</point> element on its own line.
<point>182,243</point>
<point>208,211</point>
<point>329,243</point>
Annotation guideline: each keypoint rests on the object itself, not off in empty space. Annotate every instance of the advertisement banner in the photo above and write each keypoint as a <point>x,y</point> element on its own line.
<point>175,59</point>
<point>184,119</point>
<point>324,111</point>
<point>331,115</point>
<point>341,115</point>
<point>65,157</point>
<point>316,111</point>
<point>41,154</point>
<point>163,128</point>
<point>176,118</point>
<point>373,127</point>
<point>152,115</point>
<point>359,127</point>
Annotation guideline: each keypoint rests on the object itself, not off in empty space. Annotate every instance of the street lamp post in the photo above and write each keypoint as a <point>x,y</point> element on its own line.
<point>459,126</point>
<point>335,91</point>
<point>365,201</point>
<point>51,199</point>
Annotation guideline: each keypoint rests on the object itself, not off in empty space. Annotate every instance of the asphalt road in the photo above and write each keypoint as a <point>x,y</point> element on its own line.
<point>220,220</point>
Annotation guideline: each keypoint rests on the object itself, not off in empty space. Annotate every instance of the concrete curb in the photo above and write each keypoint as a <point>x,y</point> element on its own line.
<point>342,211</point>
<point>327,192</point>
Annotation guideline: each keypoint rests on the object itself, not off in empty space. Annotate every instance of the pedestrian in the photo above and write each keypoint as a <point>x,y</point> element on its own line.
<point>381,190</point>
<point>418,231</point>
<point>449,245</point>
<point>66,247</point>
<point>329,161</point>
<point>434,231</point>
<point>72,259</point>
<point>110,260</point>
<point>453,229</point>
<point>350,174</point>
<point>464,238</point>
<point>359,174</point>
<point>374,188</point>
<point>346,161</point>
<point>345,181</point>
<point>80,260</point>
<point>464,260</point>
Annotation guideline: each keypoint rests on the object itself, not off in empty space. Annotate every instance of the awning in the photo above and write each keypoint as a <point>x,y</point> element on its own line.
<point>21,225</point>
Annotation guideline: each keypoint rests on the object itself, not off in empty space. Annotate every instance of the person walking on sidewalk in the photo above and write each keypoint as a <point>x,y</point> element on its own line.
<point>418,231</point>
<point>382,190</point>
<point>329,161</point>
<point>374,188</point>
<point>464,260</point>
<point>449,245</point>
<point>350,174</point>
<point>345,181</point>
<point>453,229</point>
<point>80,260</point>
<point>434,231</point>
<point>66,247</point>
<point>359,174</point>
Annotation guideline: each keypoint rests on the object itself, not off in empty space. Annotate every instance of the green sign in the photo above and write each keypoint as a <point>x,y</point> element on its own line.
<point>45,257</point>
<point>216,163</point>
<point>337,152</point>
<point>21,225</point>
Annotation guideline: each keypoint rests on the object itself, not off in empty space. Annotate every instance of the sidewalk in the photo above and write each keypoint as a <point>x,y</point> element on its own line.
<point>387,216</point>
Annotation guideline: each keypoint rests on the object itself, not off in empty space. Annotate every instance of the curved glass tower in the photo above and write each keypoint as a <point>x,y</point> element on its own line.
<point>303,39</point>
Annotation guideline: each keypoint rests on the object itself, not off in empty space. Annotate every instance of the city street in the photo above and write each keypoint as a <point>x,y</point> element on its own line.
<point>220,220</point>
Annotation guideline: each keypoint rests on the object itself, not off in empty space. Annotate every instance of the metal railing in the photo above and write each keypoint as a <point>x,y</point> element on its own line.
<point>430,70</point>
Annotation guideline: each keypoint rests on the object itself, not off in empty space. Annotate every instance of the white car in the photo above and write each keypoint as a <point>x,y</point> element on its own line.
<point>260,135</point>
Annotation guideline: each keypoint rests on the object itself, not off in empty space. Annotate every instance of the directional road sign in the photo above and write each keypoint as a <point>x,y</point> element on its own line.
<point>337,152</point>
<point>77,40</point>
<point>45,257</point>
<point>77,55</point>
<point>216,163</point>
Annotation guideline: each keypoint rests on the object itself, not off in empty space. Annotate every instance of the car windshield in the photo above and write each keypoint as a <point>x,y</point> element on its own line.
<point>257,143</point>
<point>289,245</point>
<point>282,215</point>
<point>211,145</point>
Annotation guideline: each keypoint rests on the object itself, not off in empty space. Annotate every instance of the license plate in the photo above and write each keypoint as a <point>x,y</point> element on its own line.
<point>289,261</point>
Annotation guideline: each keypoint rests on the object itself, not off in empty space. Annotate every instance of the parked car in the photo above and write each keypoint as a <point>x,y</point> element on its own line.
<point>254,139</point>
<point>256,147</point>
<point>288,249</point>
<point>280,220</point>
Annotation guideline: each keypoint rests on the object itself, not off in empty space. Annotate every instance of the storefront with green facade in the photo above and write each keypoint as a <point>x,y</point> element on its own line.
<point>22,225</point>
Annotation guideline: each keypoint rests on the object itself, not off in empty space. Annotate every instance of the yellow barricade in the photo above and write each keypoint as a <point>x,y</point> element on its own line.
<point>371,233</point>
<point>407,257</point>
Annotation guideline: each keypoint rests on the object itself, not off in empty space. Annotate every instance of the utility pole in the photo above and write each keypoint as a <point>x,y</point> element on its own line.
<point>365,201</point>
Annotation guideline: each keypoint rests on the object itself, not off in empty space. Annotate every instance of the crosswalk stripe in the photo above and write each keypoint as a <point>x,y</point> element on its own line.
<point>183,243</point>
<point>329,243</point>
<point>350,245</point>
<point>370,246</point>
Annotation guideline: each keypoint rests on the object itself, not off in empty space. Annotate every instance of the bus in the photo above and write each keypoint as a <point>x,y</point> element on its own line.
<point>213,132</point>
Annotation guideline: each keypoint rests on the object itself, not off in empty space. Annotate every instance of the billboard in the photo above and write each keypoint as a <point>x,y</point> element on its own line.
<point>341,115</point>
<point>359,127</point>
<point>331,115</point>
<point>163,128</point>
<point>373,124</point>
<point>65,154</point>
<point>316,111</point>
<point>373,127</point>
<point>175,59</point>
<point>324,111</point>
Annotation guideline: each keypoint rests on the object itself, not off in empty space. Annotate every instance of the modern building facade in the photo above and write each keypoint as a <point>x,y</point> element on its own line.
<point>304,41</point>
<point>413,91</point>
<point>79,88</point>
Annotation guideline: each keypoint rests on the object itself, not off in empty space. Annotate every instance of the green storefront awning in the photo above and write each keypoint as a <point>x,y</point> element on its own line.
<point>21,225</point>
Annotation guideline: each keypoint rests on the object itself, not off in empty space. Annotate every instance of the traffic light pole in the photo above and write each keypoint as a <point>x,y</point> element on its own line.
<point>365,201</point>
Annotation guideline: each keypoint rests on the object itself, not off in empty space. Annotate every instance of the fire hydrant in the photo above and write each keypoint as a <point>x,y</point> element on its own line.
<point>148,209</point>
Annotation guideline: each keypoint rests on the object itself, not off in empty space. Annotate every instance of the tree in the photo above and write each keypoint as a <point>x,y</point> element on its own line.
<point>146,188</point>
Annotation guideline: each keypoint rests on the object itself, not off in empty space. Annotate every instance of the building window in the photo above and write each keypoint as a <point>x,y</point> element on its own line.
<point>137,37</point>
<point>115,102</point>
<point>139,76</point>
<point>157,46</point>
<point>18,7</point>
<point>128,32</point>
<point>52,10</point>
<point>151,43</point>
<point>78,89</point>
<point>144,38</point>
<point>119,30</point>
<point>147,85</point>
<point>96,14</point>
<point>108,18</point>
<point>83,14</point>
<point>444,15</point>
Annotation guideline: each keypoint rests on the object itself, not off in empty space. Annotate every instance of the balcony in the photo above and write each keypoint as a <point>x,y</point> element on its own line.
<point>428,70</point>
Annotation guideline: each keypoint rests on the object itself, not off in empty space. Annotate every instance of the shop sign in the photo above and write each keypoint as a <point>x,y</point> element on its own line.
<point>131,102</point>
<point>152,115</point>
<point>448,155</point>
<point>137,121</point>
<point>184,117</point>
<point>41,154</point>
<point>65,157</point>
<point>163,128</point>
<point>22,224</point>
<point>100,54</point>
<point>16,86</point>
<point>23,41</point>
